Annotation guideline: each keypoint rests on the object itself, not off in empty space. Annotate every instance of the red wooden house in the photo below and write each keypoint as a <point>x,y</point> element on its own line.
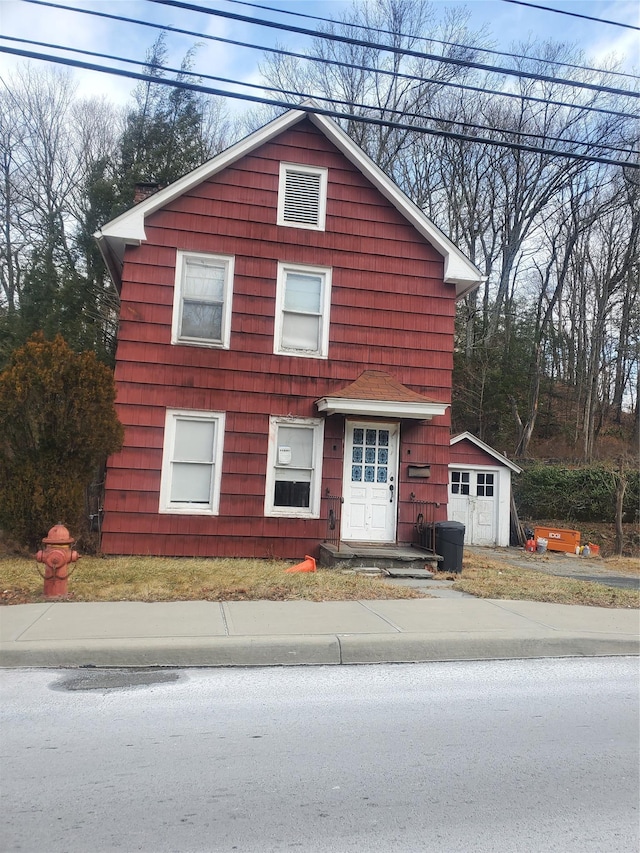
<point>286,340</point>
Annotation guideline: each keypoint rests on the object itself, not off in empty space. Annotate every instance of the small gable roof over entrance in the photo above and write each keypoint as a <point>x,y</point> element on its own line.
<point>376,393</point>
<point>129,227</point>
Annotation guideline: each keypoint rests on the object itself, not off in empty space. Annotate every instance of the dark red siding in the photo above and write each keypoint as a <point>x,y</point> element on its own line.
<point>465,452</point>
<point>390,311</point>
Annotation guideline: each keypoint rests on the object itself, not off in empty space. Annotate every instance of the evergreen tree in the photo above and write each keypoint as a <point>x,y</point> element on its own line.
<point>163,137</point>
<point>57,425</point>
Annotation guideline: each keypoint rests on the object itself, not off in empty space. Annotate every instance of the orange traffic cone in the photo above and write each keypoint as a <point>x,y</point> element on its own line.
<point>308,565</point>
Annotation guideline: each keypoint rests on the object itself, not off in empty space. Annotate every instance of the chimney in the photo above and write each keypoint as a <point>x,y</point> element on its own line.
<point>144,189</point>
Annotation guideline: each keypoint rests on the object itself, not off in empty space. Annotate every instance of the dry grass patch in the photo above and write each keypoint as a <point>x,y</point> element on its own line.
<point>486,578</point>
<point>623,565</point>
<point>164,579</point>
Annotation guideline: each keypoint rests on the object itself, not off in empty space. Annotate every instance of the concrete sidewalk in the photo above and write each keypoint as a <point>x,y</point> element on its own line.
<point>272,633</point>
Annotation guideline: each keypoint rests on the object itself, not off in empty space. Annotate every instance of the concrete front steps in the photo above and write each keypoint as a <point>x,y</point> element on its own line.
<point>395,560</point>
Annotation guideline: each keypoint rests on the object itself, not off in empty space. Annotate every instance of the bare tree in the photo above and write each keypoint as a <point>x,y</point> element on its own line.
<point>15,208</point>
<point>367,80</point>
<point>49,145</point>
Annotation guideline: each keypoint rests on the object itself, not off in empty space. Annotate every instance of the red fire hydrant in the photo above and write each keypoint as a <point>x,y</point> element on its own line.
<point>56,556</point>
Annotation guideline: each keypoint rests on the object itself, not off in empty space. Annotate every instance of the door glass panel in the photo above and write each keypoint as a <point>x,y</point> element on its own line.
<point>459,482</point>
<point>375,455</point>
<point>484,486</point>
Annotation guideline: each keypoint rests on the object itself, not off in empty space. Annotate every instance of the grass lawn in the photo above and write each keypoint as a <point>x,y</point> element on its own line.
<point>178,579</point>
<point>486,578</point>
<point>164,579</point>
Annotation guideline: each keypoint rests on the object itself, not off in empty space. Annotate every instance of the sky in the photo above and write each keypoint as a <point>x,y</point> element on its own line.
<point>507,24</point>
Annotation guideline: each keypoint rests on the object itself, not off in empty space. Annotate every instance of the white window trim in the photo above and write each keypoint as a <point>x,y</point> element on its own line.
<point>228,262</point>
<point>316,476</point>
<point>166,505</point>
<point>322,201</point>
<point>325,308</point>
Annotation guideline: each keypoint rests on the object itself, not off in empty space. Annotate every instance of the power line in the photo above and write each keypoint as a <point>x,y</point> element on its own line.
<point>368,28</point>
<point>325,61</point>
<point>399,51</point>
<point>573,14</point>
<point>181,84</point>
<point>180,72</point>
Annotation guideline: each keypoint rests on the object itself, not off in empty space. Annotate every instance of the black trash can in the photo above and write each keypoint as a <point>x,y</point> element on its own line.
<point>450,545</point>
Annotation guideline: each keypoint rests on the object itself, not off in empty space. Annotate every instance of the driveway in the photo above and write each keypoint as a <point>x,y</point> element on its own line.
<point>557,563</point>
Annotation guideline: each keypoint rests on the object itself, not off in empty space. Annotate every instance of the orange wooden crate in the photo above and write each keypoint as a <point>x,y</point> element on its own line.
<point>559,540</point>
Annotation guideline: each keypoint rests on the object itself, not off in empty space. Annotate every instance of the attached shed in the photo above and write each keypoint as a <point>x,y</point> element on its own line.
<point>480,490</point>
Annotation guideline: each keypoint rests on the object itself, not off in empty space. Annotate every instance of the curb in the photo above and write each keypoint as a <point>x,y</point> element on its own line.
<point>310,650</point>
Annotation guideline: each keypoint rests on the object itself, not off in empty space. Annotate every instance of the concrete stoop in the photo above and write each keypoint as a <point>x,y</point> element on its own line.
<point>374,571</point>
<point>393,560</point>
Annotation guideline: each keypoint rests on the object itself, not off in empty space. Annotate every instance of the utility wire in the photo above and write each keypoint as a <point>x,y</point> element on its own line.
<point>399,51</point>
<point>182,84</point>
<point>352,24</point>
<point>573,14</point>
<point>333,62</point>
<point>180,73</point>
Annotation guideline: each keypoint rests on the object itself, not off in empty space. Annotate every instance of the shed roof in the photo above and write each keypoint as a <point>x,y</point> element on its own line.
<point>499,457</point>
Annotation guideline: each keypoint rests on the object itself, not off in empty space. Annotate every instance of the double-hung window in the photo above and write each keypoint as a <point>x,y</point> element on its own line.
<point>192,462</point>
<point>294,467</point>
<point>302,196</point>
<point>303,299</point>
<point>202,300</point>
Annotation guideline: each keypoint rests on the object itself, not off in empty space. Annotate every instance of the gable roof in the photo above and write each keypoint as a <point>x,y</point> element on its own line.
<point>499,457</point>
<point>377,393</point>
<point>128,228</point>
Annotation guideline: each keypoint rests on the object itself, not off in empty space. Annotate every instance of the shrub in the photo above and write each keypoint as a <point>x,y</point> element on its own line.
<point>57,425</point>
<point>586,493</point>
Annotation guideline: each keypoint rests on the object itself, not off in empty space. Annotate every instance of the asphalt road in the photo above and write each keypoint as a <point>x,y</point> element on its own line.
<point>536,755</point>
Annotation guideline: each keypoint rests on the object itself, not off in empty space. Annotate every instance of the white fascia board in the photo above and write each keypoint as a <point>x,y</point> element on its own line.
<point>381,408</point>
<point>129,226</point>
<point>458,269</point>
<point>499,457</point>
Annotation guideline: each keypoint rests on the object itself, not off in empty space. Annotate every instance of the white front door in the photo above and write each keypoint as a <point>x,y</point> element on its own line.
<point>370,486</point>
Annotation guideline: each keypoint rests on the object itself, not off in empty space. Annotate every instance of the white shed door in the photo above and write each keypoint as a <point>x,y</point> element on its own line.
<point>473,500</point>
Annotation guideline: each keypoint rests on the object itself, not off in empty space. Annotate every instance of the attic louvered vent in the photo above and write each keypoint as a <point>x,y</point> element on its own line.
<point>302,196</point>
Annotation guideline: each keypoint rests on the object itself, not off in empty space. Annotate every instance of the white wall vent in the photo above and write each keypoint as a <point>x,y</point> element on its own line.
<point>302,196</point>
